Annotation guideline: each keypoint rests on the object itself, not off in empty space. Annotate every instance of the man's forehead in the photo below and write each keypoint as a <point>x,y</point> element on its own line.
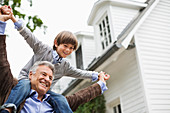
<point>45,69</point>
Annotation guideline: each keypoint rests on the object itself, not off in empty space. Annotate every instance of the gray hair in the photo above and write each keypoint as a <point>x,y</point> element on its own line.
<point>40,63</point>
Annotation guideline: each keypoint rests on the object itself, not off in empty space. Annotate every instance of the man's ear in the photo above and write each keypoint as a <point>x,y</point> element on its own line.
<point>30,75</point>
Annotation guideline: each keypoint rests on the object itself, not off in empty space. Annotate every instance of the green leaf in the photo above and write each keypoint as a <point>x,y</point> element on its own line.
<point>97,105</point>
<point>37,22</point>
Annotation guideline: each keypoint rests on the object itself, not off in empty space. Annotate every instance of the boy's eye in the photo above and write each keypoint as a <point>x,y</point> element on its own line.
<point>65,46</point>
<point>71,48</point>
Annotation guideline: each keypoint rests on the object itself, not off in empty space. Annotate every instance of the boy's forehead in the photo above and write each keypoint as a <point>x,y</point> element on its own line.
<point>69,44</point>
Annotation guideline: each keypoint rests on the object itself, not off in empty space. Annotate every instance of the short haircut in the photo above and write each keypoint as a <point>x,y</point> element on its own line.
<point>40,63</point>
<point>66,37</point>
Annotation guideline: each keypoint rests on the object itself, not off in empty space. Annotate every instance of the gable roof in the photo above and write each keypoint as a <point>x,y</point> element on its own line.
<point>123,41</point>
<point>124,3</point>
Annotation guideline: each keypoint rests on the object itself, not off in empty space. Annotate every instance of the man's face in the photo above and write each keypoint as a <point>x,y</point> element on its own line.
<point>41,80</point>
<point>64,50</point>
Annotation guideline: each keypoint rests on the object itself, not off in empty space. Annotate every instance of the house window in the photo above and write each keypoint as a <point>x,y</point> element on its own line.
<point>117,109</point>
<point>105,34</point>
<point>79,58</point>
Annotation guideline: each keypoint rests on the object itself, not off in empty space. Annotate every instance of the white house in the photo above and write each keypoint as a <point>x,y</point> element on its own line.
<point>132,44</point>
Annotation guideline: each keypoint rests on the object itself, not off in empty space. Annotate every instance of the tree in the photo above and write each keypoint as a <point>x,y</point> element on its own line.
<point>37,22</point>
<point>96,105</point>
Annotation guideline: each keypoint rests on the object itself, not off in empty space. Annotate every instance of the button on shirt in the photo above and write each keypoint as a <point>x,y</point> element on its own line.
<point>33,105</point>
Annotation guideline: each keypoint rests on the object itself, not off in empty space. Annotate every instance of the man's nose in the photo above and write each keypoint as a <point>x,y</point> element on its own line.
<point>47,78</point>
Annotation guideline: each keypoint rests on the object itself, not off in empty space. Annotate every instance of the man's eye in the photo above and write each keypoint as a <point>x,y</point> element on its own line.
<point>65,45</point>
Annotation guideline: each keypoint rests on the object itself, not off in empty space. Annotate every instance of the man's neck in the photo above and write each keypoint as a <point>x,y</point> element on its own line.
<point>40,97</point>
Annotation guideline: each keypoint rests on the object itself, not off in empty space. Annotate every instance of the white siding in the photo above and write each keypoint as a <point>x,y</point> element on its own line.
<point>89,51</point>
<point>121,17</point>
<point>153,48</point>
<point>125,84</point>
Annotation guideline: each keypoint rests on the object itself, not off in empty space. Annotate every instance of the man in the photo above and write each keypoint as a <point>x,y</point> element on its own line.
<point>41,81</point>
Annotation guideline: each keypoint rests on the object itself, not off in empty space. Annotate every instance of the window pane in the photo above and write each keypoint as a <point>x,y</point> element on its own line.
<point>103,45</point>
<point>110,38</point>
<point>114,110</point>
<point>107,21</point>
<point>100,26</point>
<point>108,29</point>
<point>103,24</point>
<point>106,42</point>
<point>79,58</point>
<point>119,108</point>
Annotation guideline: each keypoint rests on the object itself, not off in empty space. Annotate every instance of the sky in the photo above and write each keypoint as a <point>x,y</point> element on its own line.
<point>57,15</point>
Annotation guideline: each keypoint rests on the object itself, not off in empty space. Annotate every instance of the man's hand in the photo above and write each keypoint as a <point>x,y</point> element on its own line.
<point>5,10</point>
<point>103,77</point>
<point>5,13</point>
<point>5,17</point>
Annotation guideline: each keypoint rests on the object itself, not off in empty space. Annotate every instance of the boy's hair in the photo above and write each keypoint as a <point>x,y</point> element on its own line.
<point>66,37</point>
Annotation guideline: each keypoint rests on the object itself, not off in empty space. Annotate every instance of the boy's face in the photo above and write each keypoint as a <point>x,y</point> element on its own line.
<point>64,50</point>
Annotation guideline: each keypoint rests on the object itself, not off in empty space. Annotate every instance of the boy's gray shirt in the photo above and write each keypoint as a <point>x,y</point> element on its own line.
<point>43,52</point>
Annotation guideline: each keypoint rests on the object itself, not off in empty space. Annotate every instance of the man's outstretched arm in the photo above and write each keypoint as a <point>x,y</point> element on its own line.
<point>83,96</point>
<point>6,77</point>
<point>89,93</point>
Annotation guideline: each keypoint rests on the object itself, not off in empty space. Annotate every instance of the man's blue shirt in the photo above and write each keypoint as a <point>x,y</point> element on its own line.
<point>2,27</point>
<point>33,105</point>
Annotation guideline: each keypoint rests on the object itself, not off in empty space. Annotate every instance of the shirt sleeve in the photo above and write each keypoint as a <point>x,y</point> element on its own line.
<point>102,86</point>
<point>95,76</point>
<point>18,24</point>
<point>2,27</point>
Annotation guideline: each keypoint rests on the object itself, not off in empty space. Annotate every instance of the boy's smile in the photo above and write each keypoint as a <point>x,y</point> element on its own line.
<point>64,50</point>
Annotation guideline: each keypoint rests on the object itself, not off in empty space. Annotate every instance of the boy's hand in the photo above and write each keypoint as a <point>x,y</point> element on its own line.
<point>106,76</point>
<point>5,10</point>
<point>6,13</point>
<point>103,77</point>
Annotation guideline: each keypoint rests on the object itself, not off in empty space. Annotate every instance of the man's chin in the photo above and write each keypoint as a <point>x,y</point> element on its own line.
<point>44,89</point>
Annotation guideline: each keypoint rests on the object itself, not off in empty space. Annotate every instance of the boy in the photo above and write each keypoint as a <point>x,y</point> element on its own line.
<point>64,44</point>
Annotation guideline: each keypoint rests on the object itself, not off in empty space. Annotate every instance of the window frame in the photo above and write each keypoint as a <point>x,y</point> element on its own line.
<point>105,32</point>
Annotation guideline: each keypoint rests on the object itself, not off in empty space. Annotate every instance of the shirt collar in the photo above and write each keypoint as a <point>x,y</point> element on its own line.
<point>56,58</point>
<point>34,94</point>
